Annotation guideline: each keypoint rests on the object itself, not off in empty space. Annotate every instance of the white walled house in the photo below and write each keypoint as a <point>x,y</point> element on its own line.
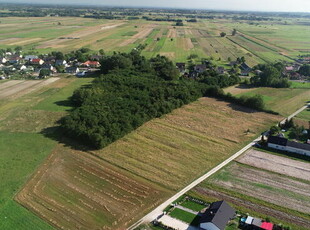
<point>284,144</point>
<point>217,216</point>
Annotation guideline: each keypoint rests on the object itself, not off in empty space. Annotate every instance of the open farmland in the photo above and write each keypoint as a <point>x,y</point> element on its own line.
<point>201,38</point>
<point>75,190</point>
<point>22,145</point>
<point>159,158</point>
<point>173,150</point>
<point>292,98</point>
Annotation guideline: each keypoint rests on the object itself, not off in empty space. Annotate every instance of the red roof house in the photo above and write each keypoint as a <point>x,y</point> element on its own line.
<point>266,226</point>
<point>93,64</point>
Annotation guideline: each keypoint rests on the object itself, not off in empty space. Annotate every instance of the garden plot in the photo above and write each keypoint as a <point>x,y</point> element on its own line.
<point>278,164</point>
<point>267,186</point>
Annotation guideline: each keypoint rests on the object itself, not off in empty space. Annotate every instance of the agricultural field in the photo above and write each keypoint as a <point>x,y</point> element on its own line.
<point>263,184</point>
<point>159,158</point>
<point>45,34</point>
<point>292,98</point>
<point>23,147</point>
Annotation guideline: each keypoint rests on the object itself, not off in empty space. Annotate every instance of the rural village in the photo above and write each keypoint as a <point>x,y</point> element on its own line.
<point>151,119</point>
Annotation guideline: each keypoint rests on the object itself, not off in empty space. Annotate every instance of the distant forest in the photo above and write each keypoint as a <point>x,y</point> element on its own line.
<point>99,12</point>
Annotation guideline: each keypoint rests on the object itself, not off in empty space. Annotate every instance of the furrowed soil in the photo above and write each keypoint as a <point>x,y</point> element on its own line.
<point>75,190</point>
<point>264,185</point>
<point>278,164</point>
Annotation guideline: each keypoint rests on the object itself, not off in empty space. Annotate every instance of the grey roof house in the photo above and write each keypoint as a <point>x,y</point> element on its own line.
<point>217,216</point>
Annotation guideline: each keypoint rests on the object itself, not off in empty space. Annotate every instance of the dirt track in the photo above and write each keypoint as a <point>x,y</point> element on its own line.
<point>18,88</point>
<point>276,164</point>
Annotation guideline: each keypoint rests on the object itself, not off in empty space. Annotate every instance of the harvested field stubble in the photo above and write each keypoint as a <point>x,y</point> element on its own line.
<point>74,190</point>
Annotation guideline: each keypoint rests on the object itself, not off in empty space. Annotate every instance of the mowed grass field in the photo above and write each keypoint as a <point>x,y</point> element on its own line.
<point>201,38</point>
<point>284,101</point>
<point>23,147</point>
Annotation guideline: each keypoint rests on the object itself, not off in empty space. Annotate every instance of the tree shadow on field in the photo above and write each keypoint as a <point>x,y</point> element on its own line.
<point>237,107</point>
<point>65,103</point>
<point>57,133</point>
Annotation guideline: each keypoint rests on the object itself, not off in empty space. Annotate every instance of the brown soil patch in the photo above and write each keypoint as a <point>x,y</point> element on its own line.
<point>75,190</point>
<point>172,33</point>
<point>252,206</point>
<point>185,43</point>
<point>267,186</point>
<point>276,164</point>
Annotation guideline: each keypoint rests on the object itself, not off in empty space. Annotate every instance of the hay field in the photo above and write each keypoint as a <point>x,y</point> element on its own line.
<point>75,190</point>
<point>159,158</point>
<point>179,147</point>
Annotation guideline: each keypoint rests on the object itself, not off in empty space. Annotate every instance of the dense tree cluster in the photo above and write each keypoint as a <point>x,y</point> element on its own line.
<point>271,76</point>
<point>131,92</point>
<point>305,70</point>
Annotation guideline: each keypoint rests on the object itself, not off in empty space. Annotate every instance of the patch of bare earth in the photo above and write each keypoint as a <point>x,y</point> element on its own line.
<point>267,186</point>
<point>254,207</point>
<point>172,33</point>
<point>276,164</point>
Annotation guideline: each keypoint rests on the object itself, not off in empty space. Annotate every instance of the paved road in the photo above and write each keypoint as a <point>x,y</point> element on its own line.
<point>159,210</point>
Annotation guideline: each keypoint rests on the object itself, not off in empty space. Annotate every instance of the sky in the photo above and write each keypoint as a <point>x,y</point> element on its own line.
<point>242,5</point>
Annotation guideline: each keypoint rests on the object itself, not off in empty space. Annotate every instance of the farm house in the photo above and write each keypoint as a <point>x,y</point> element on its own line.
<point>284,144</point>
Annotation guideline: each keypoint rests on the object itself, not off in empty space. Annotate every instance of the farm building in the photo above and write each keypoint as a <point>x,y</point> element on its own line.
<point>93,64</point>
<point>72,70</point>
<point>30,57</point>
<point>284,144</point>
<point>217,216</point>
<point>37,61</point>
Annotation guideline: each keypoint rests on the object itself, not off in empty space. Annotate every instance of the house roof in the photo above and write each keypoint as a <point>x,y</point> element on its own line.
<point>298,145</point>
<point>244,66</point>
<point>219,213</point>
<point>36,60</point>
<point>266,226</point>
<point>277,140</point>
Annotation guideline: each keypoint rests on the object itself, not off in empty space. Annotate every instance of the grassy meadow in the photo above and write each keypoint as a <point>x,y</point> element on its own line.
<point>284,101</point>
